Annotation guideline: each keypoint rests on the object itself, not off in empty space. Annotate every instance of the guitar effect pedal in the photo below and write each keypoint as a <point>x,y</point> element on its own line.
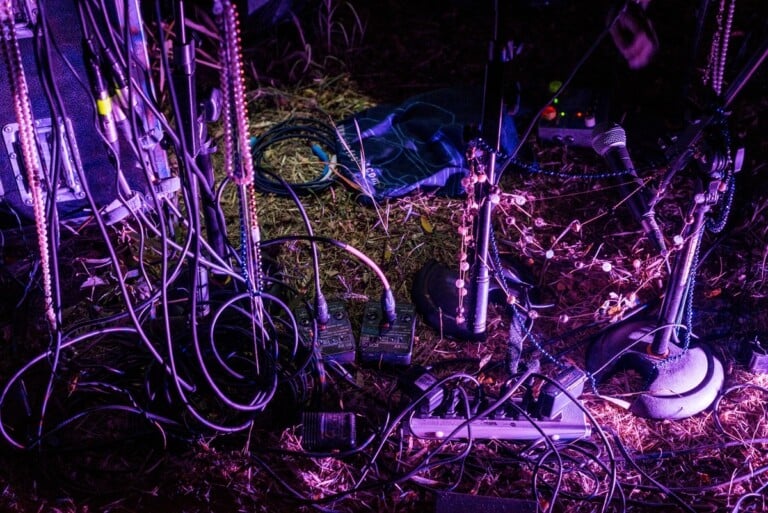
<point>335,339</point>
<point>385,343</point>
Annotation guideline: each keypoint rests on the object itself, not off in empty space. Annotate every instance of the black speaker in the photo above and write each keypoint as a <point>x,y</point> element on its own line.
<point>69,130</point>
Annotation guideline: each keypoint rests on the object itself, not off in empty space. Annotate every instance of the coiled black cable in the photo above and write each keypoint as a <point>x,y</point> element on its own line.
<point>320,136</point>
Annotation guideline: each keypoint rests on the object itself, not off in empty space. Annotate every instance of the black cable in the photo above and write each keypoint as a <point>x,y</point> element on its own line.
<point>723,394</point>
<point>62,134</point>
<point>660,486</point>
<point>139,310</point>
<point>384,435</point>
<point>321,304</point>
<point>258,402</point>
<point>387,299</point>
<point>597,429</point>
<point>581,466</point>
<point>320,136</point>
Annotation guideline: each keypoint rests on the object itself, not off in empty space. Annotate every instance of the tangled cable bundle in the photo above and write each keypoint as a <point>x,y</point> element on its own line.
<point>203,337</point>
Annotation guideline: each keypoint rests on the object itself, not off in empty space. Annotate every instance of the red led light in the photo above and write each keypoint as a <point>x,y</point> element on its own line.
<point>549,113</point>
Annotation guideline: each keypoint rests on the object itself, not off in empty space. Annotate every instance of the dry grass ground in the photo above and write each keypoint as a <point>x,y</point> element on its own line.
<point>585,254</point>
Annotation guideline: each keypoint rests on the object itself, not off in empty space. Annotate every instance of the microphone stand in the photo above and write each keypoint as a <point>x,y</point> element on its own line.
<point>682,380</point>
<point>490,133</point>
<point>436,291</point>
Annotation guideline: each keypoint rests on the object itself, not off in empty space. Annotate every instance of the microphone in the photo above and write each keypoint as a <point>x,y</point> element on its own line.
<point>610,142</point>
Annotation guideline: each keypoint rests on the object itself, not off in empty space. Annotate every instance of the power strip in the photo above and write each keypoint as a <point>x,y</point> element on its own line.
<point>572,424</point>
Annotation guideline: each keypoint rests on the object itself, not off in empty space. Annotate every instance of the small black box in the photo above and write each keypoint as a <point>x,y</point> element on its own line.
<point>336,340</point>
<point>383,343</point>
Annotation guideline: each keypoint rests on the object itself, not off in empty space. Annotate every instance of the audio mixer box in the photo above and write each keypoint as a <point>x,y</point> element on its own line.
<point>571,116</point>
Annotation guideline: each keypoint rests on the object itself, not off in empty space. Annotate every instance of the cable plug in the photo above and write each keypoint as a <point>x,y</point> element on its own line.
<point>388,306</point>
<point>555,396</point>
<point>450,407</point>
<point>418,384</point>
<point>478,402</point>
<point>509,409</point>
<point>119,78</point>
<point>321,309</point>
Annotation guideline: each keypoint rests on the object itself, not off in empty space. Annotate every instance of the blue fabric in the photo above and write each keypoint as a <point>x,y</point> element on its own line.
<point>268,13</point>
<point>417,145</point>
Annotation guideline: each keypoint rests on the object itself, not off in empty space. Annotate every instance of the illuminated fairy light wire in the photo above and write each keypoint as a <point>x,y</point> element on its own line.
<point>715,70</point>
<point>238,161</point>
<point>29,148</point>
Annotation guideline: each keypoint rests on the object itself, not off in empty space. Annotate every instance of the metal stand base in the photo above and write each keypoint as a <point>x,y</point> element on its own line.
<point>679,385</point>
<point>435,296</point>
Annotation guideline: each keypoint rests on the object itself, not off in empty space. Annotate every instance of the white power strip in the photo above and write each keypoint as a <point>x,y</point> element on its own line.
<point>571,424</point>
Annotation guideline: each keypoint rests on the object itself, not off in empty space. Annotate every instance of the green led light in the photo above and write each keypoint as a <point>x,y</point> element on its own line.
<point>556,101</point>
<point>562,113</point>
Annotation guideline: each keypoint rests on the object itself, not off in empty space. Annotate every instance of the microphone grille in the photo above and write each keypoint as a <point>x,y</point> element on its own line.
<point>606,136</point>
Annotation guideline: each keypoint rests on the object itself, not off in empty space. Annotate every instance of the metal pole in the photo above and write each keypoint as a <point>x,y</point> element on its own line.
<point>490,131</point>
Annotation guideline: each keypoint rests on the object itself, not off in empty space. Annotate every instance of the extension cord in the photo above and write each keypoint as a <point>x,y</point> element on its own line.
<point>572,424</point>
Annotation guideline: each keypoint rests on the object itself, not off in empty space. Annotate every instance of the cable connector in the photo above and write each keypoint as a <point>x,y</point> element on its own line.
<point>553,397</point>
<point>322,313</point>
<point>417,381</point>
<point>389,306</point>
<point>451,407</point>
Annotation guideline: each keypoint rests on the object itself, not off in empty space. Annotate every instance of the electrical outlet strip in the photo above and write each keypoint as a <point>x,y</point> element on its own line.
<point>572,424</point>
